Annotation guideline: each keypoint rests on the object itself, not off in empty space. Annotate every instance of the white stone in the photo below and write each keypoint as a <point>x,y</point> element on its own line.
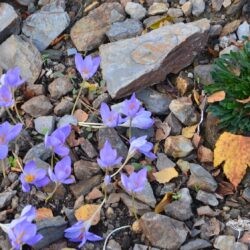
<point>243,30</point>
<point>227,3</point>
<point>135,10</point>
<point>187,8</point>
<point>198,7</point>
<point>228,49</point>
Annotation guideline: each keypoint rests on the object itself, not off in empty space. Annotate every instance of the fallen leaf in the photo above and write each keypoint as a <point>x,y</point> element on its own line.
<point>234,151</point>
<point>196,140</point>
<point>160,23</point>
<point>196,96</point>
<point>205,154</point>
<point>72,141</point>
<point>163,130</point>
<point>225,188</point>
<point>189,132</point>
<point>165,175</point>
<point>216,97</point>
<point>230,27</point>
<point>43,213</point>
<point>244,101</point>
<point>81,115</point>
<point>85,212</point>
<point>165,200</point>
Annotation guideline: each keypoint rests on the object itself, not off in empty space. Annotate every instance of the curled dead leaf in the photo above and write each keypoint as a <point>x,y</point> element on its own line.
<point>189,132</point>
<point>165,200</point>
<point>165,175</point>
<point>216,97</point>
<point>85,212</point>
<point>244,101</point>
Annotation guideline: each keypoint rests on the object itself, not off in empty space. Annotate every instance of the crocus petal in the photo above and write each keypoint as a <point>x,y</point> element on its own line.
<point>93,237</point>
<point>6,97</point>
<point>32,241</point>
<point>79,62</point>
<point>3,151</point>
<point>29,167</point>
<point>14,132</point>
<point>69,180</point>
<point>43,182</point>
<point>52,175</point>
<point>63,169</point>
<point>29,212</point>
<point>125,181</point>
<point>104,111</point>
<point>62,150</point>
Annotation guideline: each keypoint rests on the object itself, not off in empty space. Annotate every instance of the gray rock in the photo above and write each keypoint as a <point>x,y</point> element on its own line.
<point>203,74</point>
<point>163,162</point>
<point>184,111</point>
<point>113,137</point>
<point>113,245</point>
<point>157,8</point>
<point>45,124</point>
<point>239,246</point>
<point>198,7</point>
<point>174,124</point>
<point>38,151</point>
<point>60,87</point>
<point>132,64</point>
<point>19,51</point>
<point>51,229</point>
<point>215,30</point>
<point>228,49</point>
<point>135,10</point>
<point>25,2</point>
<point>66,120</point>
<point>88,148</point>
<point>168,187</point>
<point>246,194</point>
<point>40,27</point>
<point>104,97</point>
<point>207,198</point>
<point>9,21</point>
<point>84,170</point>
<point>180,209</point>
<point>201,178</point>
<point>89,32</point>
<point>175,12</point>
<point>154,101</point>
<point>196,244</point>
<point>151,20</point>
<point>37,106</point>
<point>126,29</point>
<point>187,8</point>
<point>243,30</point>
<point>235,7</point>
<point>64,107</point>
<point>224,242</point>
<point>5,198</point>
<point>217,4</point>
<point>163,231</point>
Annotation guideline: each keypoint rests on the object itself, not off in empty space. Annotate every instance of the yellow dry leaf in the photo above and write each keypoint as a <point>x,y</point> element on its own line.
<point>196,96</point>
<point>165,175</point>
<point>160,23</point>
<point>216,97</point>
<point>234,151</point>
<point>85,212</point>
<point>189,132</point>
<point>43,213</point>
<point>244,101</point>
<point>165,200</point>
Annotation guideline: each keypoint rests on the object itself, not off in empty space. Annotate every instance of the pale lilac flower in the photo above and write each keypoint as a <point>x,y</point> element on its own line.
<point>62,172</point>
<point>79,232</point>
<point>88,66</point>
<point>107,180</point>
<point>7,133</point>
<point>142,145</point>
<point>29,212</point>
<point>32,175</point>
<point>130,107</point>
<point>135,182</point>
<point>109,117</point>
<point>6,96</point>
<point>108,156</point>
<point>56,141</point>
<point>12,78</point>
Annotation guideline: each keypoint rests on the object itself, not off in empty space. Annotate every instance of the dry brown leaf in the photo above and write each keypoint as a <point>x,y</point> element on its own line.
<point>205,154</point>
<point>85,212</point>
<point>216,97</point>
<point>165,200</point>
<point>81,115</point>
<point>165,175</point>
<point>163,130</point>
<point>72,141</point>
<point>230,27</point>
<point>196,140</point>
<point>189,132</point>
<point>43,213</point>
<point>196,96</point>
<point>234,151</point>
<point>225,188</point>
<point>244,101</point>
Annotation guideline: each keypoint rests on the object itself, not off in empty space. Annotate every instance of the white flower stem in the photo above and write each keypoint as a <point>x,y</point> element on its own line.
<point>77,98</point>
<point>122,166</point>
<point>3,168</point>
<point>11,116</point>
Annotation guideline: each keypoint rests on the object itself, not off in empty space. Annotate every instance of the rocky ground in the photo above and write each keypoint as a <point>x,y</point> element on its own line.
<point>163,51</point>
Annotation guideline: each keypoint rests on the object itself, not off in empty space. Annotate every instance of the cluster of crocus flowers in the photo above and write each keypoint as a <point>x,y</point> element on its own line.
<point>22,231</point>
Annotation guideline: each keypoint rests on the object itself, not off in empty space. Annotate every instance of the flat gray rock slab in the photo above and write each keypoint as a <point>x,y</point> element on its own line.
<point>132,64</point>
<point>45,25</point>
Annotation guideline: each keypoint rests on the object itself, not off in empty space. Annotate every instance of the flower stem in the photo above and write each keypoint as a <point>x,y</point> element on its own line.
<point>91,125</point>
<point>52,160</point>
<point>18,162</point>
<point>77,98</point>
<point>96,211</point>
<point>121,167</point>
<point>11,116</point>
<point>133,206</point>
<point>130,129</point>
<point>52,193</point>
<point>17,112</point>
<point>3,168</point>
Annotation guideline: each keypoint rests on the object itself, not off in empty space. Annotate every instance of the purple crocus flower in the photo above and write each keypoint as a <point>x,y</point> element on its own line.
<point>12,78</point>
<point>62,172</point>
<point>33,175</point>
<point>7,133</point>
<point>29,212</point>
<point>88,66</point>
<point>79,232</point>
<point>131,107</point>
<point>6,96</point>
<point>135,182</point>
<point>142,145</point>
<point>108,156</point>
<point>109,117</point>
<point>56,141</point>
<point>22,233</point>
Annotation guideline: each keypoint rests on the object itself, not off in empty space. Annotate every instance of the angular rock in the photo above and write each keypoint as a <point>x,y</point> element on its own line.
<point>143,247</point>
<point>45,124</point>
<point>180,209</point>
<point>224,242</point>
<point>25,2</point>
<point>35,89</point>
<point>37,106</point>
<point>66,120</point>
<point>89,32</point>
<point>135,63</point>
<point>201,178</point>
<point>196,244</point>
<point>151,20</point>
<point>163,162</point>
<point>157,8</point>
<point>203,74</point>
<point>228,50</point>
<point>154,101</point>
<point>114,139</point>
<point>85,169</point>
<point>51,229</point>
<point>184,111</point>
<point>187,8</point>
<point>104,97</point>
<point>163,231</point>
<point>88,148</point>
<point>40,27</point>
<point>64,107</point>
<point>215,30</point>
<point>246,194</point>
<point>243,30</point>
<point>175,12</point>
<point>217,4</point>
<point>135,10</point>
<point>178,146</point>
<point>122,30</point>
<point>5,198</point>
<point>9,21</point>
<point>207,211</point>
<point>113,245</point>
<point>198,7</point>
<point>19,51</point>
<point>239,246</point>
<point>207,198</point>
<point>174,124</point>
<point>60,87</point>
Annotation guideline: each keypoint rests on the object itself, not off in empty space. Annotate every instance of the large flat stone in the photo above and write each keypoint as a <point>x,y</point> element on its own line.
<point>9,21</point>
<point>19,51</point>
<point>135,63</point>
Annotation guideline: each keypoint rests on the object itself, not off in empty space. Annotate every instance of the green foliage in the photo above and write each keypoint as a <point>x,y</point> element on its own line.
<point>231,73</point>
<point>138,166</point>
<point>176,196</point>
<point>11,161</point>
